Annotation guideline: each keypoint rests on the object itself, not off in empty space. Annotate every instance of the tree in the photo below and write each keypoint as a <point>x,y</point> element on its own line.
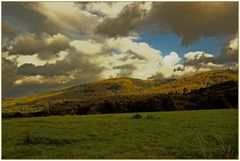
<point>167,103</point>
<point>185,90</point>
<point>115,87</point>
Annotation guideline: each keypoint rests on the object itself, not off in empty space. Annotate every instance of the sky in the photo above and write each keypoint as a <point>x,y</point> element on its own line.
<point>54,45</point>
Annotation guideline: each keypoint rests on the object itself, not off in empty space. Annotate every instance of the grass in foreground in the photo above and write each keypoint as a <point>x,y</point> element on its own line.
<point>180,134</point>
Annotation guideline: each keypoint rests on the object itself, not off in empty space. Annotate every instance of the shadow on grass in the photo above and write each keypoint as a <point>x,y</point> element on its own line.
<point>34,140</point>
<point>136,116</point>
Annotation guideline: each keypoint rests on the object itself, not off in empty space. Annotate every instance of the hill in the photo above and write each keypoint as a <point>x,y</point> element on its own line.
<point>126,95</point>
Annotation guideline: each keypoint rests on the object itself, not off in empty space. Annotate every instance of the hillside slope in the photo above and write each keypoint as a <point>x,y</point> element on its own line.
<point>119,87</point>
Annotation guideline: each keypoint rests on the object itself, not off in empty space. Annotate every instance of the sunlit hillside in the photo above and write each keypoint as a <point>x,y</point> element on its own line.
<point>197,81</point>
<point>100,90</point>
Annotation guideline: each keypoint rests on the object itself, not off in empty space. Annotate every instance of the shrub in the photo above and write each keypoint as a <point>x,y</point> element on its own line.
<point>150,117</point>
<point>34,140</point>
<point>17,114</point>
<point>137,116</point>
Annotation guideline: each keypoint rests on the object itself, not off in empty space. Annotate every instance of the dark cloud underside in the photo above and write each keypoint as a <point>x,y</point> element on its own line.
<point>25,14</point>
<point>188,20</point>
<point>193,20</point>
<point>130,18</point>
<point>45,46</point>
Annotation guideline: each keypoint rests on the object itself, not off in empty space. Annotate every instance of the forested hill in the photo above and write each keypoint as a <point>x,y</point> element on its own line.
<point>128,95</point>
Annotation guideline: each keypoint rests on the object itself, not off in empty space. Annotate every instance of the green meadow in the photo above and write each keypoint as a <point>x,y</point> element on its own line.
<point>196,134</point>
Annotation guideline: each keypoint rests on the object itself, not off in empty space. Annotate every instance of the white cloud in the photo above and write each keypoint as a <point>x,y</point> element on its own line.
<point>197,55</point>
<point>87,46</point>
<point>199,61</point>
<point>107,9</point>
<point>171,59</point>
<point>68,16</point>
<point>233,44</point>
<point>197,58</point>
<point>45,46</point>
<point>187,70</point>
<point>34,59</point>
<point>141,48</point>
<point>41,80</point>
<point>145,60</point>
<point>112,9</point>
<point>213,65</point>
<point>229,53</point>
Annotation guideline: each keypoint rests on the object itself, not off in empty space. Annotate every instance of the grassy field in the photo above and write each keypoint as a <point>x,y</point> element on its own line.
<point>179,134</point>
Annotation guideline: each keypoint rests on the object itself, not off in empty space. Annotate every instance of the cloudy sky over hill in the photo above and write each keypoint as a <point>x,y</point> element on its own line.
<point>53,45</point>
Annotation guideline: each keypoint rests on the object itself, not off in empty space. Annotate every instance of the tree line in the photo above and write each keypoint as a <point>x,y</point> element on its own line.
<point>219,96</point>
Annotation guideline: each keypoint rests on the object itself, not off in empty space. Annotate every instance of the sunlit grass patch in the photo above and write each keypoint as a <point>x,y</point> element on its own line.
<point>199,134</point>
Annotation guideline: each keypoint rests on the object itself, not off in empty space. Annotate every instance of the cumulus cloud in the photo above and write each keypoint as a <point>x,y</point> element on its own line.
<point>46,46</point>
<point>171,59</point>
<point>188,20</point>
<point>227,58</point>
<point>138,59</point>
<point>230,52</point>
<point>193,20</point>
<point>88,47</point>
<point>127,44</point>
<point>199,61</point>
<point>50,17</point>
<point>14,85</point>
<point>45,70</point>
<point>28,85</point>
<point>29,18</point>
<point>41,80</point>
<point>182,70</point>
<point>35,60</point>
<point>121,57</point>
<point>103,9</point>
<point>74,69</point>
<point>134,55</point>
<point>68,17</point>
<point>125,51</point>
<point>166,66</point>
<point>72,62</point>
<point>197,58</point>
<point>129,19</point>
<point>125,70</point>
